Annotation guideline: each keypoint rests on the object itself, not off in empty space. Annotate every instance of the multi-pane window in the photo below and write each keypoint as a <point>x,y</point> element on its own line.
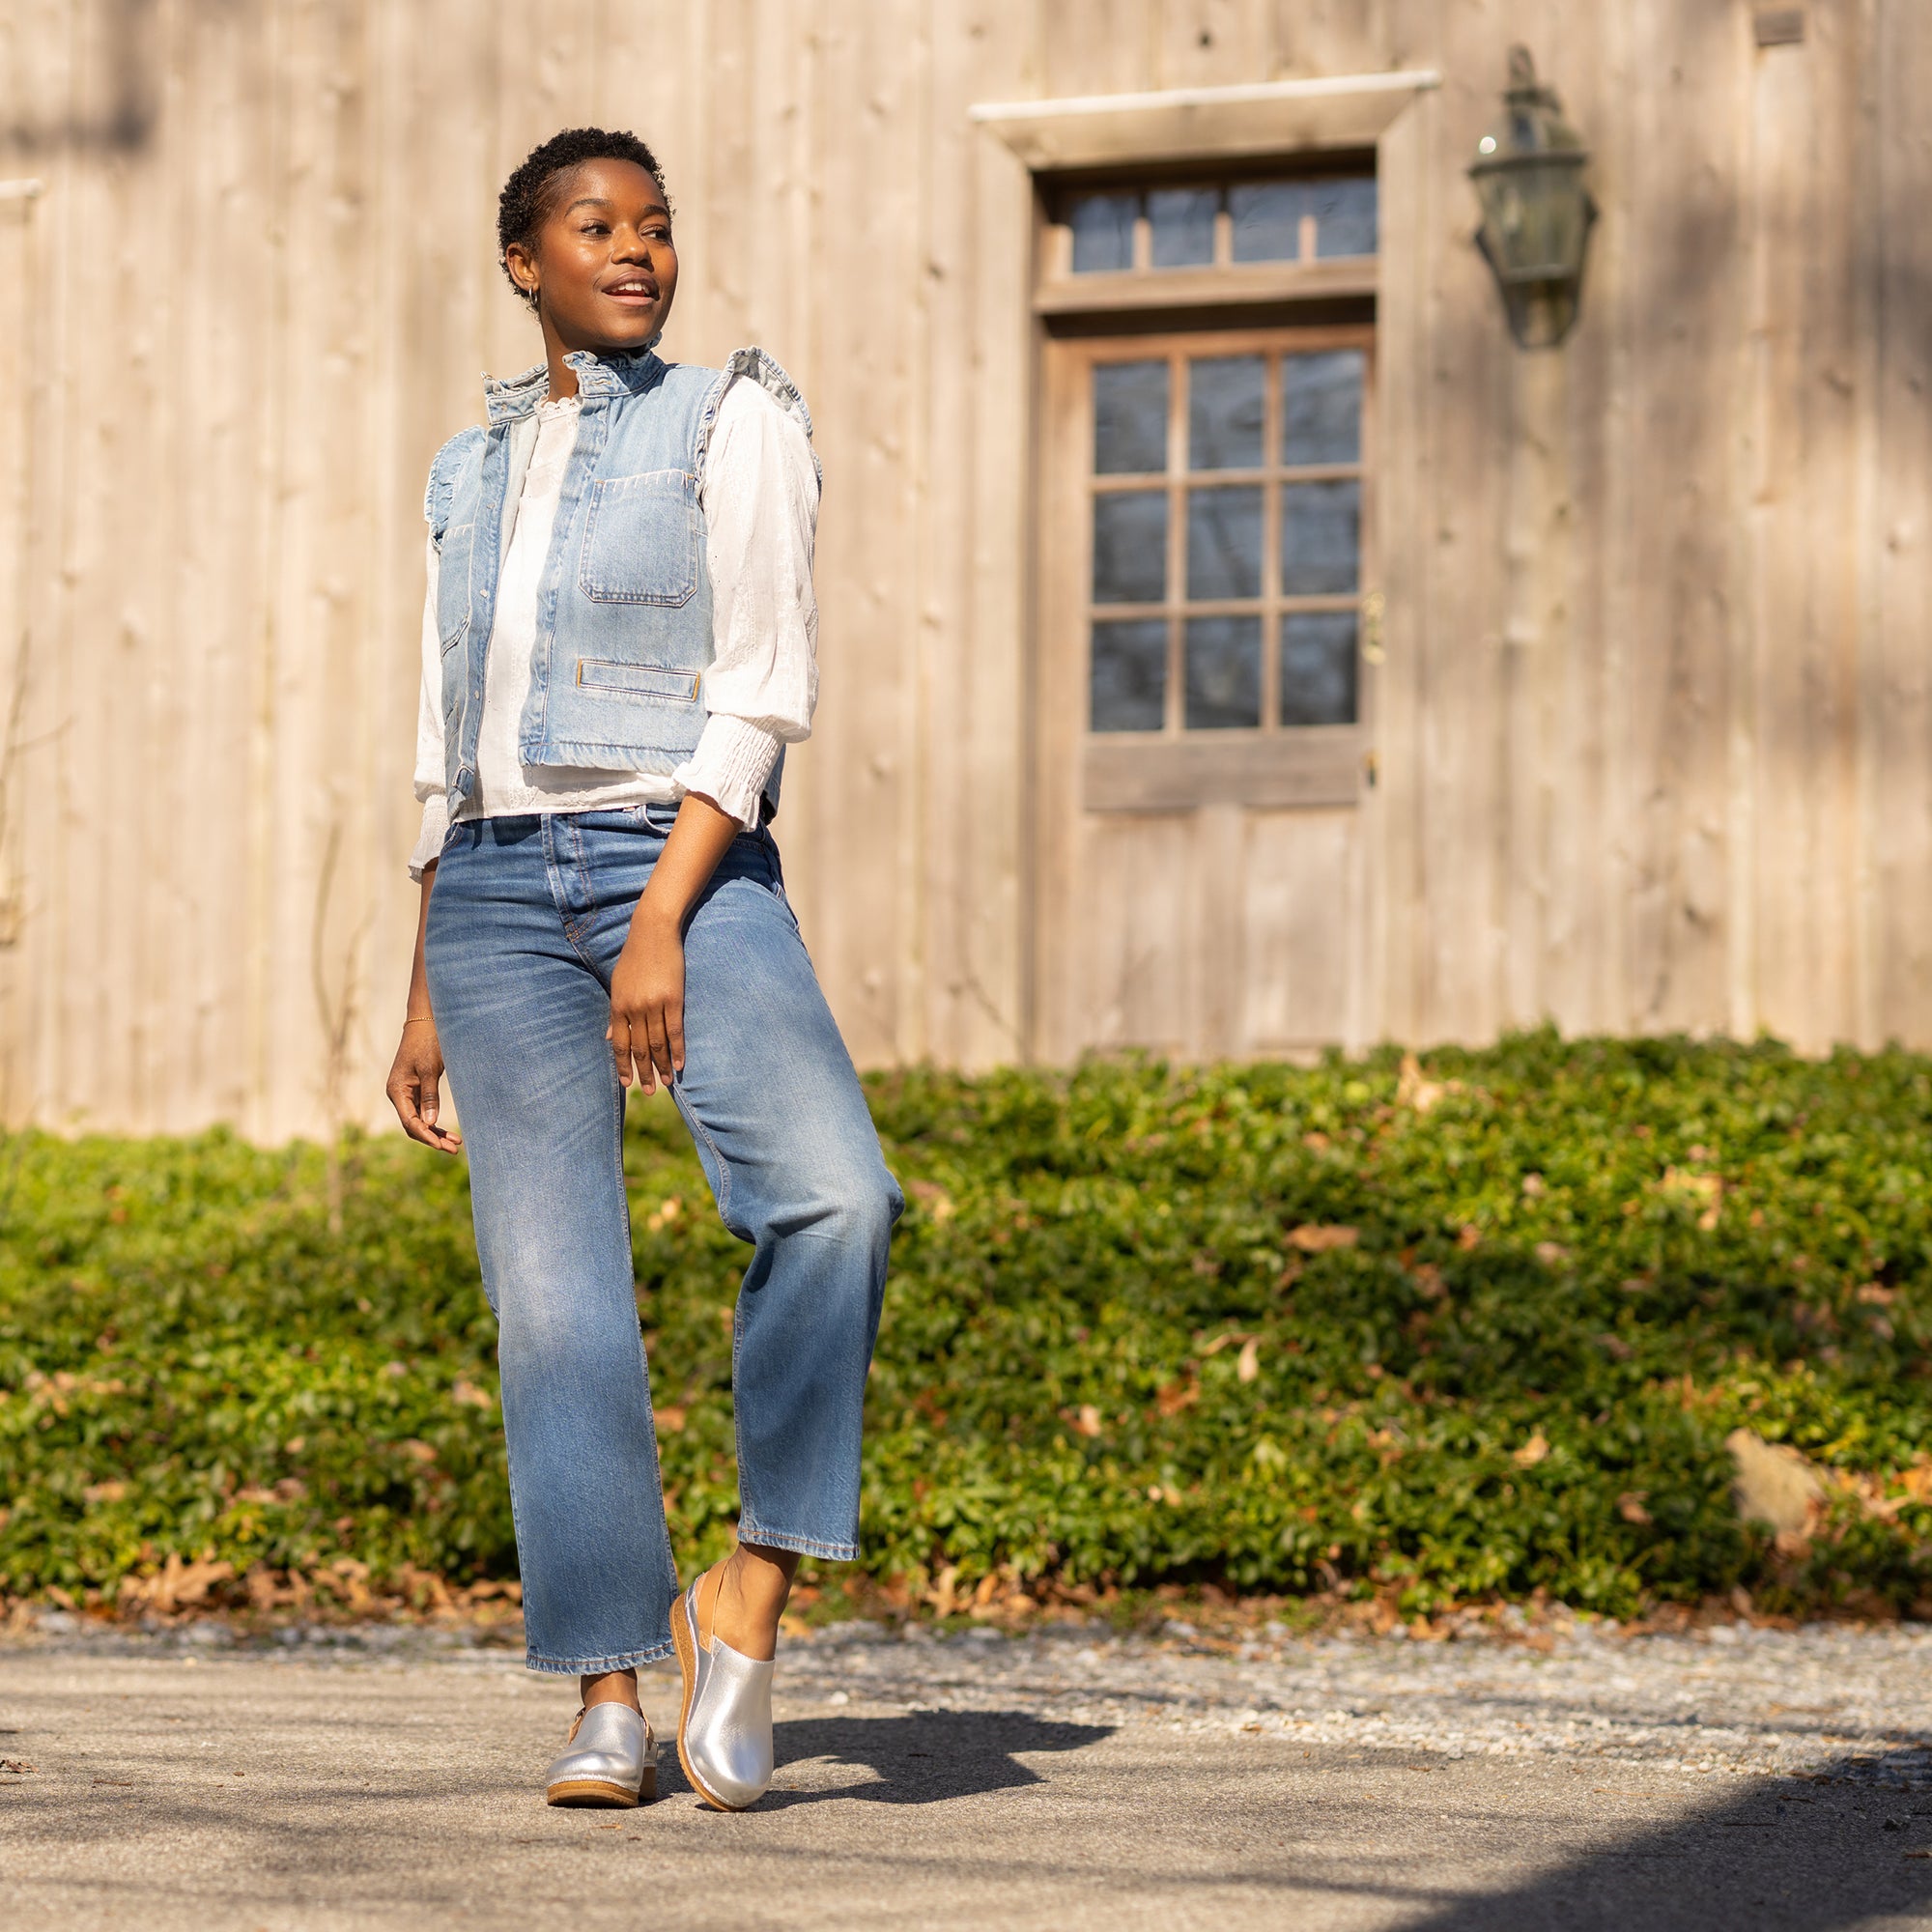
<point>1225,489</point>
<point>1220,224</point>
<point>1207,551</point>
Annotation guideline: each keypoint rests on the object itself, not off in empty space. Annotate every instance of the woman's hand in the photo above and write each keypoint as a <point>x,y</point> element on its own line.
<point>416,1085</point>
<point>416,1080</point>
<point>646,1030</point>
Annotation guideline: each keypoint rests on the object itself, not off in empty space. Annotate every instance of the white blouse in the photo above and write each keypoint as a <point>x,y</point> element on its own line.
<point>759,494</point>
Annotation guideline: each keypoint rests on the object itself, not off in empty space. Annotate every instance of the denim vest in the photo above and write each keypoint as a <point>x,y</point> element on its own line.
<point>624,630</point>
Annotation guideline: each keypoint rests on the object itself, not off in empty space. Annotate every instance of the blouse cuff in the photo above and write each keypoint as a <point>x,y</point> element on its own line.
<point>731,765</point>
<point>428,840</point>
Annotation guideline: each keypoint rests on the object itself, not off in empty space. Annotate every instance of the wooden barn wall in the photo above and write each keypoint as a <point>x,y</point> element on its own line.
<point>1655,729</point>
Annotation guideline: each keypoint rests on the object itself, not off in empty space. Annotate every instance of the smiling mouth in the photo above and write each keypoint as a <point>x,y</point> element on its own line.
<point>632,289</point>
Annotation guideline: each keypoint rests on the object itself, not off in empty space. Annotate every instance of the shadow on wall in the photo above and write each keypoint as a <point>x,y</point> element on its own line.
<point>1845,1845</point>
<point>122,82</point>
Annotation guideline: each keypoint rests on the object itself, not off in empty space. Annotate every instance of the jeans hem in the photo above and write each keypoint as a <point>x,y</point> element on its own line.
<point>803,1545</point>
<point>585,1666</point>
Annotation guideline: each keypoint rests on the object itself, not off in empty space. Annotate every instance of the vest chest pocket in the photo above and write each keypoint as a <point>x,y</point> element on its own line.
<point>641,540</point>
<point>452,583</point>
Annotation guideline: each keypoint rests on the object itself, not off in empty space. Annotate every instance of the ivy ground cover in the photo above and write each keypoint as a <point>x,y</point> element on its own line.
<point>1467,1328</point>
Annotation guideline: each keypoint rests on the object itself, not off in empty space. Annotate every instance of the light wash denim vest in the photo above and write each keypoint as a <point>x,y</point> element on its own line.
<point>624,629</point>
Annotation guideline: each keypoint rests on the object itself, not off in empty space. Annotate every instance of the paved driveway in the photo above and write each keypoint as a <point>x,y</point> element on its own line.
<point>1059,1781</point>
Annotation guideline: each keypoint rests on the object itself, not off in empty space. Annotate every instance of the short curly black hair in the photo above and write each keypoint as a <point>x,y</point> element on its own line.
<point>529,196</point>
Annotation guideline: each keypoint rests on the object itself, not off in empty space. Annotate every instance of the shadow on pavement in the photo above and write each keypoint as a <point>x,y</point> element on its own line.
<point>1786,1855</point>
<point>923,1757</point>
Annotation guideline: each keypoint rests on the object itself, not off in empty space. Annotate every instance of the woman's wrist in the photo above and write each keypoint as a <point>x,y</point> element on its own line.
<point>655,910</point>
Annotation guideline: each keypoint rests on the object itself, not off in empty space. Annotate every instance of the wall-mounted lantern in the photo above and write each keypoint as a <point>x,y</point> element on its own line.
<point>1536,211</point>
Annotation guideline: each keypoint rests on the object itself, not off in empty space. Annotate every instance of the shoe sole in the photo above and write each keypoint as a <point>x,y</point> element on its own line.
<point>595,1791</point>
<point>683,1631</point>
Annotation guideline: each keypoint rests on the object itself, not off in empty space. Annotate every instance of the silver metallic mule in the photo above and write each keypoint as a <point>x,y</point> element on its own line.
<point>724,1729</point>
<point>611,1758</point>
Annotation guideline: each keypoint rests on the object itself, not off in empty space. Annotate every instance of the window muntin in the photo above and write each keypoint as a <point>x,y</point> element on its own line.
<point>1226,491</point>
<point>1160,229</point>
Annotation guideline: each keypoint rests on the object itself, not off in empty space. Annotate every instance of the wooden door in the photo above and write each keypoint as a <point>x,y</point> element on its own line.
<point>1200,697</point>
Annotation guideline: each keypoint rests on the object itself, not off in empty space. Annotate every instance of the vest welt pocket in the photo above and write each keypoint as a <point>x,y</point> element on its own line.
<point>640,539</point>
<point>644,680</point>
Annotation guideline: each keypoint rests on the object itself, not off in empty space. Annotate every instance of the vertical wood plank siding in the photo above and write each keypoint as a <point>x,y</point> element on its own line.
<point>1654,733</point>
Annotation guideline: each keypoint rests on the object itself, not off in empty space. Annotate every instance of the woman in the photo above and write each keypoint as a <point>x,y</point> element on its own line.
<point>617,644</point>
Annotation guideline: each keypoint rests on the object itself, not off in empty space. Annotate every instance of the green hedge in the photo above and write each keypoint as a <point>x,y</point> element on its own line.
<point>1479,1330</point>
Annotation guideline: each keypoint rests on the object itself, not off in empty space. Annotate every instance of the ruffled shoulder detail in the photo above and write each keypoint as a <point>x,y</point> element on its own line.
<point>754,365</point>
<point>442,472</point>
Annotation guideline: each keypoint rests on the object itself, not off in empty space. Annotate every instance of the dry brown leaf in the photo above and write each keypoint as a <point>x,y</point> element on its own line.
<point>469,1395</point>
<point>1312,1239</point>
<point>1630,1506</point>
<point>1531,1453</point>
<point>1250,1364</point>
<point>942,1595</point>
<point>1176,1396</point>
<point>670,1419</point>
<point>176,1584</point>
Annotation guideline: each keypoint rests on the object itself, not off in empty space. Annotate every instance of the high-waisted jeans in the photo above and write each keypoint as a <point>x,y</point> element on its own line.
<point>525,922</point>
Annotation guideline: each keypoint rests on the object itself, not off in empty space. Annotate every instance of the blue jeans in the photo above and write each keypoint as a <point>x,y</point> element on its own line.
<point>525,924</point>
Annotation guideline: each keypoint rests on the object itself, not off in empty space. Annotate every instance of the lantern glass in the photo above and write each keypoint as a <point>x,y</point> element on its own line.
<point>1528,174</point>
<point>1536,216</point>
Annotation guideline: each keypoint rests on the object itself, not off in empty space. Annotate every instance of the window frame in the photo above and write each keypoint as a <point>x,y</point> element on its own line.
<point>1060,292</point>
<point>1268,764</point>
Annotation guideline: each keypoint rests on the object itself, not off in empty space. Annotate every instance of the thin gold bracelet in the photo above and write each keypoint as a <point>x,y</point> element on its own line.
<point>422,1019</point>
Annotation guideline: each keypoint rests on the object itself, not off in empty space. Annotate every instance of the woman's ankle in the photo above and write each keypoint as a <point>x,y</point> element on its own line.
<point>610,1687</point>
<point>749,1596</point>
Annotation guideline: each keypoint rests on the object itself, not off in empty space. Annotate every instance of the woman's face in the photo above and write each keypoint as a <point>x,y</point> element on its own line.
<point>603,262</point>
